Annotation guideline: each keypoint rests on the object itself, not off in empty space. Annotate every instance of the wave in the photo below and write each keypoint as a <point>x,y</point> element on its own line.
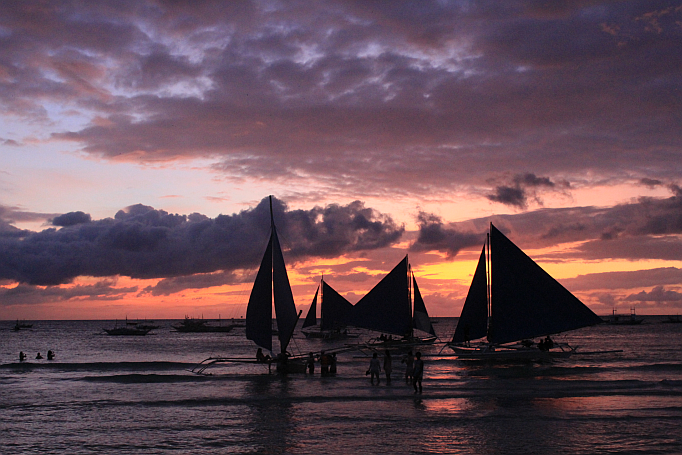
<point>96,366</point>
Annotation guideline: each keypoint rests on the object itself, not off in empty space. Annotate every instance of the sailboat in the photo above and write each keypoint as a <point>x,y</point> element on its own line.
<point>513,304</point>
<point>272,284</point>
<point>335,310</point>
<point>387,308</point>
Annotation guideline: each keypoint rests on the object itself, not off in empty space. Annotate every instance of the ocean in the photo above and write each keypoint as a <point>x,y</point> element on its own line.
<point>135,395</point>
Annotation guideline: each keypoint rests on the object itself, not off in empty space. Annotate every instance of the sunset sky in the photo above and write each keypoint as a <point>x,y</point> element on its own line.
<point>140,140</point>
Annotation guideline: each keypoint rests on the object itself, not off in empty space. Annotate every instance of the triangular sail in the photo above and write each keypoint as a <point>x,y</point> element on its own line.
<point>259,310</point>
<point>285,308</point>
<point>473,322</point>
<point>336,309</point>
<point>386,308</point>
<point>311,317</point>
<point>526,302</point>
<point>421,320</point>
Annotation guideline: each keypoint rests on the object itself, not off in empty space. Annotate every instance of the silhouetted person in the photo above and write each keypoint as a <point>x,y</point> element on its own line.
<point>39,357</point>
<point>50,355</point>
<point>332,364</point>
<point>549,344</point>
<point>418,373</point>
<point>388,366</point>
<point>22,356</point>
<point>408,360</point>
<point>260,357</point>
<point>324,364</point>
<point>466,335</point>
<point>374,369</point>
<point>311,363</point>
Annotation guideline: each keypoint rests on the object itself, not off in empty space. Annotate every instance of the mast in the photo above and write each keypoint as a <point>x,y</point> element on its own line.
<point>488,280</point>
<point>409,295</point>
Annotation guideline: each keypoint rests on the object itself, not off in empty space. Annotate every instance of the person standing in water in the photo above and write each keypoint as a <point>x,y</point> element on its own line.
<point>311,363</point>
<point>324,364</point>
<point>388,366</point>
<point>408,360</point>
<point>332,364</point>
<point>374,369</point>
<point>418,373</point>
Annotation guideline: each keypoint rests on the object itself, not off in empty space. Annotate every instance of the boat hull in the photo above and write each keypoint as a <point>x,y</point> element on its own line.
<point>328,335</point>
<point>506,354</point>
<point>292,366</point>
<point>125,331</point>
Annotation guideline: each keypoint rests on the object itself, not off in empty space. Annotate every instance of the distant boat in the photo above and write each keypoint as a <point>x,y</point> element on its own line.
<point>624,319</point>
<point>673,319</point>
<point>127,330</point>
<point>142,325</point>
<point>517,302</point>
<point>387,308</point>
<point>334,312</point>
<point>22,325</point>
<point>189,325</point>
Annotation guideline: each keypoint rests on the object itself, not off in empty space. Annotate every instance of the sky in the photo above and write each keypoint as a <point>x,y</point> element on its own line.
<point>140,140</point>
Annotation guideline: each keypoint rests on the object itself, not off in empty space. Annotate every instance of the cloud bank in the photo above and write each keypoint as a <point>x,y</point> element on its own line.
<point>141,242</point>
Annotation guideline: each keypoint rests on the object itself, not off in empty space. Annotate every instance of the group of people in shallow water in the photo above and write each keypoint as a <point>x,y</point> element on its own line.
<point>327,363</point>
<point>414,369</point>
<point>414,366</point>
<point>50,356</point>
<point>546,344</point>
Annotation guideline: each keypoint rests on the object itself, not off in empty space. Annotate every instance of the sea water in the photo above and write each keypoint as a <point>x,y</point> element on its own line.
<point>135,395</point>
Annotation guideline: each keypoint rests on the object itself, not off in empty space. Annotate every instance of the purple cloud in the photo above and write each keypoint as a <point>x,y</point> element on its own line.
<point>142,242</point>
<point>380,98</point>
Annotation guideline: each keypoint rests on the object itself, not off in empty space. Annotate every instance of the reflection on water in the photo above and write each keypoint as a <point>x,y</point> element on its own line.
<point>270,414</point>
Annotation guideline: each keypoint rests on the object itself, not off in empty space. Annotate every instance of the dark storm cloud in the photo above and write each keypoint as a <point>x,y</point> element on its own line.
<point>651,183</point>
<point>168,286</point>
<point>507,195</point>
<point>33,295</point>
<point>648,228</point>
<point>658,294</point>
<point>142,242</point>
<point>71,219</point>
<point>625,280</point>
<point>380,97</point>
<point>433,236</point>
<point>524,186</point>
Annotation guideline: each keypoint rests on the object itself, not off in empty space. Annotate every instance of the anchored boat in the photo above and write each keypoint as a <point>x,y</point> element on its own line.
<point>511,303</point>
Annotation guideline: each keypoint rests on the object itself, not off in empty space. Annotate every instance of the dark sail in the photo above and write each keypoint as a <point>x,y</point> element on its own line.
<point>474,317</point>
<point>336,310</point>
<point>285,308</point>
<point>259,310</point>
<point>386,308</point>
<point>311,317</point>
<point>526,302</point>
<point>421,320</point>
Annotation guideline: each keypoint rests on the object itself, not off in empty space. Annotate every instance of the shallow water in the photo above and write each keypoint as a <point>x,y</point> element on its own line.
<point>133,395</point>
